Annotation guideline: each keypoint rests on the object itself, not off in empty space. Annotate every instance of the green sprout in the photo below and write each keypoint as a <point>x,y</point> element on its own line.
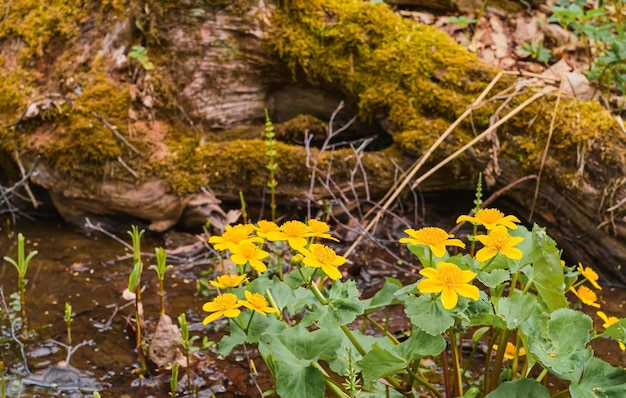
<point>174,380</point>
<point>271,164</point>
<point>140,54</point>
<point>134,282</point>
<point>187,343</point>
<point>68,322</point>
<point>160,269</point>
<point>21,265</point>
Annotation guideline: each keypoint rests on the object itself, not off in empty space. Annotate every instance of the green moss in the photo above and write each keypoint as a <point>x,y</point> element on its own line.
<point>418,69</point>
<point>37,22</point>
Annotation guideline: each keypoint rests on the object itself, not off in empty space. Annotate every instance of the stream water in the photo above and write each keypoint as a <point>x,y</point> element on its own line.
<point>91,273</point>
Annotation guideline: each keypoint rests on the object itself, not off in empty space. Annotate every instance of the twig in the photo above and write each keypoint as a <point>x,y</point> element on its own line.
<point>5,308</point>
<point>545,150</point>
<point>24,174</point>
<point>423,159</point>
<point>115,132</point>
<point>123,163</point>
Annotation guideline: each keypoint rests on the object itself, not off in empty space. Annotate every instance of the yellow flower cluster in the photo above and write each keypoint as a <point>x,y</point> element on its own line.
<point>245,243</point>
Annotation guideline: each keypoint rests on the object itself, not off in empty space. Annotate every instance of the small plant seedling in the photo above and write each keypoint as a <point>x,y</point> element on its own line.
<point>21,265</point>
<point>160,269</point>
<point>140,53</point>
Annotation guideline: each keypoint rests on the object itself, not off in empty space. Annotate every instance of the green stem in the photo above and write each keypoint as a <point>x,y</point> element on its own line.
<point>382,329</point>
<point>497,364</point>
<point>330,382</point>
<point>455,363</point>
<point>562,393</point>
<point>542,375</point>
<point>425,383</point>
<point>318,294</point>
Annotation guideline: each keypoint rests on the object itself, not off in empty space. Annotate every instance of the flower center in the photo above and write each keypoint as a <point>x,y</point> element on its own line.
<point>449,277</point>
<point>489,216</point>
<point>248,249</point>
<point>432,235</point>
<point>257,301</point>
<point>499,238</point>
<point>294,229</point>
<point>226,301</point>
<point>323,254</point>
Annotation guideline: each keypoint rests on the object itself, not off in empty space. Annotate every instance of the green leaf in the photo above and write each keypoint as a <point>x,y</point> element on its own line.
<point>560,343</point>
<point>230,341</point>
<point>339,364</point>
<point>597,379</point>
<point>516,309</point>
<point>428,314</point>
<point>379,362</point>
<point>294,278</point>
<point>290,355</point>
<point>547,272</point>
<point>343,307</point>
<point>494,278</point>
<point>420,344</point>
<point>384,297</point>
<point>522,388</point>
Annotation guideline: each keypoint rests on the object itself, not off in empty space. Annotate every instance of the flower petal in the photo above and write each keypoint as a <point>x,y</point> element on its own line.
<point>212,317</point>
<point>512,252</point>
<point>430,286</point>
<point>332,272</point>
<point>438,250</point>
<point>469,291</point>
<point>485,253</point>
<point>449,298</point>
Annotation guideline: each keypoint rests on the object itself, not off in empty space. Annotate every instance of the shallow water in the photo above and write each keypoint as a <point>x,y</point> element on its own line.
<point>91,272</point>
<point>87,272</point>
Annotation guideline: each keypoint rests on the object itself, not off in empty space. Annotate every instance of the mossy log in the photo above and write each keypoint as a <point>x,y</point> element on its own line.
<point>98,121</point>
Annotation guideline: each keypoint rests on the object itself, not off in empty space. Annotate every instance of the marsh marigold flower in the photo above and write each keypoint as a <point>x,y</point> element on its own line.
<point>264,226</point>
<point>294,232</point>
<point>320,229</point>
<point>499,241</point>
<point>257,302</point>
<point>228,280</point>
<point>226,304</point>
<point>590,275</point>
<point>233,235</point>
<point>248,252</point>
<point>435,238</point>
<point>586,295</point>
<point>490,218</point>
<point>608,321</point>
<point>321,256</point>
<point>509,351</point>
<point>449,280</point>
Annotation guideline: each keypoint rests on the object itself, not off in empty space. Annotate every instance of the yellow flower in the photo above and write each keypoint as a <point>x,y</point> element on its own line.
<point>264,226</point>
<point>320,229</point>
<point>226,304</point>
<point>586,295</point>
<point>499,241</point>
<point>608,321</point>
<point>435,238</point>
<point>232,236</point>
<point>509,351</point>
<point>451,281</point>
<point>590,275</point>
<point>321,256</point>
<point>228,280</point>
<point>489,218</point>
<point>247,252</point>
<point>257,302</point>
<point>294,232</point>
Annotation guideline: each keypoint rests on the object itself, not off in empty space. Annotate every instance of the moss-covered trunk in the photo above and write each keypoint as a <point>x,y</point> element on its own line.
<point>81,104</point>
